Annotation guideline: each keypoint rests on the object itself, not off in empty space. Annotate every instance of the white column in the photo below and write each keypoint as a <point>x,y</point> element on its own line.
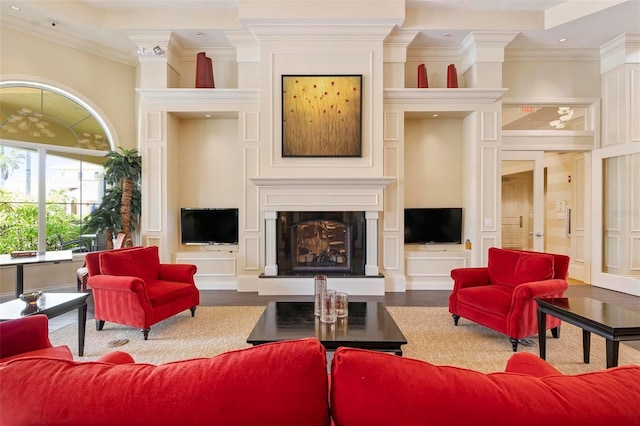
<point>270,249</point>
<point>371,264</point>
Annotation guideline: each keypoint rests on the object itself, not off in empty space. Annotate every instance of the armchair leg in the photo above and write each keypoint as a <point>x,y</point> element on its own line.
<point>145,333</point>
<point>555,332</point>
<point>514,343</point>
<point>193,311</point>
<point>99,325</point>
<point>455,319</point>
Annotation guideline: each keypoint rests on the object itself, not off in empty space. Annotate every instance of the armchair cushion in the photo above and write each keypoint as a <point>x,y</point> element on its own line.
<point>507,267</point>
<point>164,292</point>
<point>143,263</point>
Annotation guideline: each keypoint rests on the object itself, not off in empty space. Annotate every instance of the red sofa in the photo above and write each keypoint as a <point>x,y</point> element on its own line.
<point>501,296</point>
<point>131,287</point>
<point>286,383</point>
<point>29,337</point>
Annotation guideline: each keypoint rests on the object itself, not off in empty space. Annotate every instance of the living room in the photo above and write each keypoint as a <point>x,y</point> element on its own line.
<point>222,148</point>
<point>463,147</point>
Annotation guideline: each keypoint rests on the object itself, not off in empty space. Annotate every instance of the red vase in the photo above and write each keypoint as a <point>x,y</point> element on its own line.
<point>452,76</point>
<point>204,71</point>
<point>422,77</point>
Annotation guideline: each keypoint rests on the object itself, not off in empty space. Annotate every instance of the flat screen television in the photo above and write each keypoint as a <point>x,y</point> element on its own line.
<point>433,225</point>
<point>199,226</point>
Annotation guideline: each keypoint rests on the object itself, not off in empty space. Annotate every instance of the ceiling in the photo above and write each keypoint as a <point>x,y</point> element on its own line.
<point>102,25</point>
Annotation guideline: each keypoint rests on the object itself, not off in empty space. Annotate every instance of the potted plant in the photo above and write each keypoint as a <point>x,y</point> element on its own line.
<point>121,204</point>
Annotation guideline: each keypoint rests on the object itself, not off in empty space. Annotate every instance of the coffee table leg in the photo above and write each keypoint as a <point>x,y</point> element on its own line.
<point>612,353</point>
<point>82,323</point>
<point>586,345</point>
<point>542,333</point>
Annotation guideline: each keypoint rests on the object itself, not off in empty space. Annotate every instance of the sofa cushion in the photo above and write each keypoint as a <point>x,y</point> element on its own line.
<point>510,267</point>
<point>494,299</point>
<point>281,383</point>
<point>143,263</point>
<point>164,292</point>
<point>374,388</point>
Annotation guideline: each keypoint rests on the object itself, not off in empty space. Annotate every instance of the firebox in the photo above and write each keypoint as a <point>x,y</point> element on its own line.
<point>321,242</point>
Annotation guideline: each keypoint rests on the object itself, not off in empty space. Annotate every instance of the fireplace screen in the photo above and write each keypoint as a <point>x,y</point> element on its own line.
<point>321,245</point>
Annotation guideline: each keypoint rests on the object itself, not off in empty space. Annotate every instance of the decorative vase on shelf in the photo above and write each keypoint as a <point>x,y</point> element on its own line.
<point>204,71</point>
<point>452,76</point>
<point>423,82</point>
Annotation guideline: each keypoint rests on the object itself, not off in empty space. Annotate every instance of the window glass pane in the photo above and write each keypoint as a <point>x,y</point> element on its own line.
<point>538,117</point>
<point>18,199</point>
<point>73,190</point>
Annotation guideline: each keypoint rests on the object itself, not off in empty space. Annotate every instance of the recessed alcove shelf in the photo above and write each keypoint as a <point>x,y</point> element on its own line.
<point>196,96</point>
<point>426,97</point>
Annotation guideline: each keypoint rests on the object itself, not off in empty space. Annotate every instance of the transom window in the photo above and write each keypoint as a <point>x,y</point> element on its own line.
<point>52,147</point>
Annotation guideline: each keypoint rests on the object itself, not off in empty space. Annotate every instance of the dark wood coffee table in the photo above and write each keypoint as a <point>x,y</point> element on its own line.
<point>51,305</point>
<point>612,322</point>
<point>368,326</point>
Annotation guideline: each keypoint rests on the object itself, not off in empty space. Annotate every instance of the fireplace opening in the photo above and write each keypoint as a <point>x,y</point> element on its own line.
<point>321,242</point>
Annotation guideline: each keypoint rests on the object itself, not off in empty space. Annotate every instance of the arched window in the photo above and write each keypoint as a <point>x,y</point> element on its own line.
<point>52,147</point>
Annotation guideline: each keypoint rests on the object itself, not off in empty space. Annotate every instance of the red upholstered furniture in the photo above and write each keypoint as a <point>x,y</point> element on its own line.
<point>501,296</point>
<point>131,287</point>
<point>29,337</point>
<point>375,388</point>
<point>286,383</point>
<point>280,384</point>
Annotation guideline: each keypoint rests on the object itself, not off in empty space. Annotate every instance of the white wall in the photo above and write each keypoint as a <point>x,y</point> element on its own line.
<point>433,163</point>
<point>551,79</point>
<point>106,84</point>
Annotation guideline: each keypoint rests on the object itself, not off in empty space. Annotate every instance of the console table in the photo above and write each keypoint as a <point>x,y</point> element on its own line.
<point>19,262</point>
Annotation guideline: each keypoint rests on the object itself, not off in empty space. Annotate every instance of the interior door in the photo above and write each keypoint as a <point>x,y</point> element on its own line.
<point>522,200</point>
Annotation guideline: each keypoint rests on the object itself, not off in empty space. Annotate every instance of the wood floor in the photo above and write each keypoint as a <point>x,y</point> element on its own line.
<point>426,298</point>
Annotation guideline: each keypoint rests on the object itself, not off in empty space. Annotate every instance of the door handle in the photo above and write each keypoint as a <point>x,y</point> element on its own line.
<point>539,234</point>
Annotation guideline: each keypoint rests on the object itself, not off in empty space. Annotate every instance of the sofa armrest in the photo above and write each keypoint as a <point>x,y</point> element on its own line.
<point>117,357</point>
<point>530,364</point>
<point>469,277</point>
<point>537,289</point>
<point>177,272</point>
<point>117,283</point>
<point>22,335</point>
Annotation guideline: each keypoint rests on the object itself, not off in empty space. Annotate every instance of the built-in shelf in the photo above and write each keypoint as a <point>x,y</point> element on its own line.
<point>443,96</point>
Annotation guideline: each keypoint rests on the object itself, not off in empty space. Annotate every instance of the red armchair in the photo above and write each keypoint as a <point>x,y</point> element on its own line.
<point>501,296</point>
<point>29,337</point>
<point>131,287</point>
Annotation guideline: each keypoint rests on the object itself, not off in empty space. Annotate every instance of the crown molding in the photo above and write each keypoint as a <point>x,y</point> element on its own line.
<point>523,55</point>
<point>92,48</point>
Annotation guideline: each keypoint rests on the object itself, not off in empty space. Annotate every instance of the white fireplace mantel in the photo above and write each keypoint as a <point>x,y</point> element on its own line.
<point>330,182</point>
<point>325,193</point>
<point>280,194</point>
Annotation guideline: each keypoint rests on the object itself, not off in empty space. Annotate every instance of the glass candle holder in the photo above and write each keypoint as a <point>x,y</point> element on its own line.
<point>342,304</point>
<point>319,286</point>
<point>328,311</point>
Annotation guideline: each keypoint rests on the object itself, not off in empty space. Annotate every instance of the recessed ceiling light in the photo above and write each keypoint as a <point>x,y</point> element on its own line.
<point>563,39</point>
<point>446,35</point>
<point>199,34</point>
<point>14,7</point>
<point>207,115</point>
<point>435,115</point>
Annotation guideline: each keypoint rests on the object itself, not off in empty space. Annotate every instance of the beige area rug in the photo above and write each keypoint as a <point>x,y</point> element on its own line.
<point>212,331</point>
<point>430,334</point>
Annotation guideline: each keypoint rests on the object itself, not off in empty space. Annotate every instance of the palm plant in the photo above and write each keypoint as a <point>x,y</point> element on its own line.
<point>121,203</point>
